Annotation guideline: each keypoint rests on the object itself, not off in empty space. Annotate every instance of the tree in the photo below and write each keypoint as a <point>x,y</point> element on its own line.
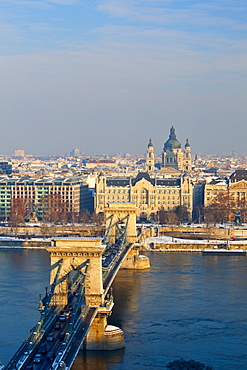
<point>84,216</point>
<point>44,230</point>
<point>53,209</point>
<point>198,214</point>
<point>182,214</point>
<point>187,365</point>
<point>221,209</point>
<point>29,207</point>
<point>210,214</point>
<point>242,207</point>
<point>16,212</point>
<point>167,217</point>
<point>96,218</point>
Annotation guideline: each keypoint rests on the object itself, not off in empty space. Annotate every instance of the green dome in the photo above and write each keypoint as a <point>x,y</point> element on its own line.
<point>172,142</point>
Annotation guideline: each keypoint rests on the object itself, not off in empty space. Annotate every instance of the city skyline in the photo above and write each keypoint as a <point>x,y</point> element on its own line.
<point>105,76</point>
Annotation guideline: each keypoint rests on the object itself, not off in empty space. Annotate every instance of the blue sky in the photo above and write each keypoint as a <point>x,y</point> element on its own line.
<point>106,75</point>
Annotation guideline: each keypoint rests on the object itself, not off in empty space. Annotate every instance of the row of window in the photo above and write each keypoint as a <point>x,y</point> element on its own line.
<point>168,208</point>
<point>136,197</point>
<point>122,191</point>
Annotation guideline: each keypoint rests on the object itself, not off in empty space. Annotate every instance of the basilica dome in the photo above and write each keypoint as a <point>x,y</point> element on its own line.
<point>172,142</point>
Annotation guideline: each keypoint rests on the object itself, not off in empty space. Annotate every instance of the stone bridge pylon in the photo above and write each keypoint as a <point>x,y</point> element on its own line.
<point>70,254</point>
<point>124,213</point>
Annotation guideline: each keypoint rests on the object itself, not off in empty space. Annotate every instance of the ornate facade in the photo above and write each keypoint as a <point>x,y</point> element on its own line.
<point>235,188</point>
<point>149,194</point>
<point>153,189</point>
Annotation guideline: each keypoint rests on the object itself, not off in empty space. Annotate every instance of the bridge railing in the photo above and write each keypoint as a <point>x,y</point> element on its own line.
<point>73,342</point>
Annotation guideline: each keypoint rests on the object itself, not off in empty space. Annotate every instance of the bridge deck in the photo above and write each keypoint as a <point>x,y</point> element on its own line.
<point>66,341</point>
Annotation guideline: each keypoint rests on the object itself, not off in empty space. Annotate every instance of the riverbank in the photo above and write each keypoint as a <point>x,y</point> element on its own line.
<point>24,243</point>
<point>170,244</point>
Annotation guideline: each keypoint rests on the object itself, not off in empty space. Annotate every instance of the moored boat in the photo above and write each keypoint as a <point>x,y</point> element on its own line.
<point>224,251</point>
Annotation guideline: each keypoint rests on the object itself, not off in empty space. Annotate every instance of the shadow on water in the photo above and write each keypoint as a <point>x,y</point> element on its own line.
<point>100,360</point>
<point>125,290</point>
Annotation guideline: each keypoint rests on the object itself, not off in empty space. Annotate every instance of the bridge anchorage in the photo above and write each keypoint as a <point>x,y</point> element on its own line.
<point>75,310</point>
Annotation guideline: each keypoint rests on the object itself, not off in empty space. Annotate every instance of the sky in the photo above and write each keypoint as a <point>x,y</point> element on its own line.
<point>104,76</point>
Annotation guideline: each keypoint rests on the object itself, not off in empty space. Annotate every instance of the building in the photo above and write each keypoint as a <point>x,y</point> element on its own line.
<point>75,153</point>
<point>238,188</point>
<point>72,192</point>
<point>100,163</point>
<point>150,157</point>
<point>173,156</point>
<point>19,153</point>
<point>5,168</point>
<point>234,191</point>
<point>150,194</point>
<point>213,189</point>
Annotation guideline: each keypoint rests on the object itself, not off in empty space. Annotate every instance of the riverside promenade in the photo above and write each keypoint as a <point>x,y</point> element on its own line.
<point>180,238</point>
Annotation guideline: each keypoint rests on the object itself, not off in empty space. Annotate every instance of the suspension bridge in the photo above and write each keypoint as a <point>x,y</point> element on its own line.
<point>74,311</point>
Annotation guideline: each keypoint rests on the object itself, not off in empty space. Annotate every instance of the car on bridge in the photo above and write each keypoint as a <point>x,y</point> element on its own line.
<point>50,356</point>
<point>37,359</point>
<point>57,326</point>
<point>50,337</point>
<point>62,335</point>
<point>42,348</point>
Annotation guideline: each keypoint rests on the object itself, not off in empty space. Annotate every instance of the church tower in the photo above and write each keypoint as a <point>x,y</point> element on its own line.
<point>187,156</point>
<point>150,157</point>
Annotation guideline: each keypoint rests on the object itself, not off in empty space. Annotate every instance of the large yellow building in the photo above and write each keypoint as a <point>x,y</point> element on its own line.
<point>152,190</point>
<point>150,194</point>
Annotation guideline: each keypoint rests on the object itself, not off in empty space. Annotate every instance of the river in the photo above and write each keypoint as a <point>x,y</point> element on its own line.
<point>186,306</point>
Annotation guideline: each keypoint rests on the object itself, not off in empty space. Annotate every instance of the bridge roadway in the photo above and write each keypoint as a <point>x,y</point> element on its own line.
<point>68,339</point>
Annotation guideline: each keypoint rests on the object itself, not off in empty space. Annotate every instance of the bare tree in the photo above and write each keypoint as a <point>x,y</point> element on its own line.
<point>84,216</point>
<point>167,217</point>
<point>182,214</point>
<point>53,209</point>
<point>16,212</point>
<point>221,209</point>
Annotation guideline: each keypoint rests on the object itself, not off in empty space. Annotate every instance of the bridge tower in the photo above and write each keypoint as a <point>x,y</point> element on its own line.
<point>74,254</point>
<point>123,213</point>
<point>70,254</point>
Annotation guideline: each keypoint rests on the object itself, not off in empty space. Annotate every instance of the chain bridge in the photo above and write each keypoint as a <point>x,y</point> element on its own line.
<point>74,311</point>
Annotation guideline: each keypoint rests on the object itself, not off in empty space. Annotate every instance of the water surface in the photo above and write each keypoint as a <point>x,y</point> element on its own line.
<point>186,305</point>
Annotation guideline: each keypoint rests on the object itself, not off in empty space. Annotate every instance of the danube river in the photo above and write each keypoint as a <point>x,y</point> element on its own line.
<point>186,305</point>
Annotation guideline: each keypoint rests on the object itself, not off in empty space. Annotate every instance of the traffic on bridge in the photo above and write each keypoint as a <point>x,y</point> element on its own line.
<point>75,309</point>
